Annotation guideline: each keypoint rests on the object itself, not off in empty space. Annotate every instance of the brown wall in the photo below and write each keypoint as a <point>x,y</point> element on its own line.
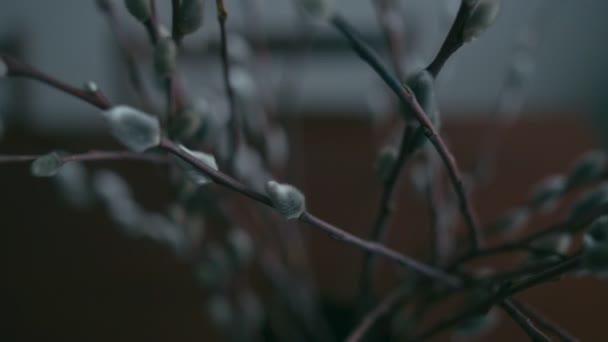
<point>68,275</point>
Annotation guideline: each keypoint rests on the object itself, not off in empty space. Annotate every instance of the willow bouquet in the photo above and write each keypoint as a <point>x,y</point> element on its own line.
<point>219,151</point>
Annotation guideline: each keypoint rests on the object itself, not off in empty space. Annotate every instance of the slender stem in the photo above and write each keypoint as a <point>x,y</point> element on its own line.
<point>522,271</point>
<point>306,217</point>
<point>513,87</point>
<point>393,36</point>
<point>217,176</point>
<point>152,24</point>
<point>380,249</point>
<point>490,229</point>
<point>408,99</point>
<point>524,322</point>
<point>171,93</point>
<point>386,306</point>
<point>439,235</point>
<point>175,33</point>
<point>128,54</point>
<point>544,322</point>
<point>89,156</point>
<point>234,124</point>
<point>549,274</point>
<point>454,40</point>
<point>381,222</point>
<point>17,68</point>
<point>569,225</point>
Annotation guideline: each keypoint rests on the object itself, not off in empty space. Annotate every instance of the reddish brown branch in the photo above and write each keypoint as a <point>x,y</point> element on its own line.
<point>408,99</point>
<point>90,156</point>
<point>306,217</point>
<point>16,68</point>
<point>542,277</point>
<point>234,123</point>
<point>454,39</point>
<point>524,322</point>
<point>381,222</point>
<point>544,322</point>
<point>385,307</point>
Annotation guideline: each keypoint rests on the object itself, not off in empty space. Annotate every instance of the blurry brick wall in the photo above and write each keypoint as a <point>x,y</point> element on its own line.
<point>70,276</point>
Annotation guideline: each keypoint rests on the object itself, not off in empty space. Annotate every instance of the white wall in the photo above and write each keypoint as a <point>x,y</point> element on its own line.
<point>69,39</point>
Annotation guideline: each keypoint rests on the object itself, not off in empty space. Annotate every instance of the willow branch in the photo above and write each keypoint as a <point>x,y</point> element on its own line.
<point>16,68</point>
<point>544,322</point>
<point>128,54</point>
<point>408,99</point>
<point>570,225</point>
<point>524,322</point>
<point>381,222</point>
<point>385,307</point>
<point>454,39</point>
<point>335,232</point>
<point>93,155</point>
<point>547,275</point>
<point>234,124</point>
<point>152,25</point>
<point>392,35</point>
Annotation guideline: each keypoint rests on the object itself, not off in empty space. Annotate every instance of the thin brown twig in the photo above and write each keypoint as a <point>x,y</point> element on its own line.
<point>568,225</point>
<point>16,68</point>
<point>544,322</point>
<point>408,99</point>
<point>385,210</point>
<point>128,54</point>
<point>547,275</point>
<point>152,24</point>
<point>386,306</point>
<point>392,35</point>
<point>234,185</point>
<point>94,155</point>
<point>306,217</point>
<point>234,123</point>
<point>524,322</point>
<point>454,39</point>
<point>175,32</point>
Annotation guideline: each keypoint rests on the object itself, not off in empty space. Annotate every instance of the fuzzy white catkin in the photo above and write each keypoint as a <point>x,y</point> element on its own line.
<point>588,167</point>
<point>240,244</point>
<point>190,16</point>
<point>477,325</point>
<point>242,83</point>
<point>91,87</point>
<point>72,183</point>
<point>422,85</point>
<point>116,195</point>
<point>133,128</point>
<point>597,232</point>
<point>219,310</point>
<point>165,56</point>
<point>545,194</point>
<point>249,167</point>
<point>47,165</point>
<point>193,173</point>
<point>317,9</point>
<point>385,161</point>
<point>481,18</point>
<point>239,51</point>
<point>3,68</point>
<point>287,199</point>
<point>277,147</point>
<point>595,252</point>
<point>140,9</point>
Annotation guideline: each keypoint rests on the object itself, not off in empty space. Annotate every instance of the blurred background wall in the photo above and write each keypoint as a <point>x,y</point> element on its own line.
<point>69,38</point>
